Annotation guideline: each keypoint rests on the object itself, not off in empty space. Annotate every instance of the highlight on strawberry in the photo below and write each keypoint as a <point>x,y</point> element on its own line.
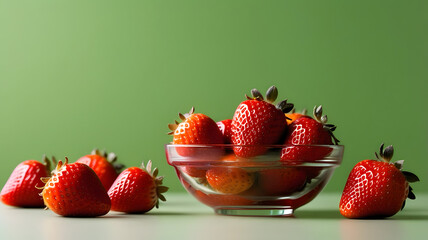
<point>104,165</point>
<point>259,122</point>
<point>305,136</point>
<point>377,188</point>
<point>20,189</point>
<point>74,190</point>
<point>225,128</point>
<point>137,190</point>
<point>196,128</point>
<point>245,160</point>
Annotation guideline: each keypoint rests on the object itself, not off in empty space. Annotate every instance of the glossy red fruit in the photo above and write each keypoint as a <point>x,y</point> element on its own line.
<point>194,171</point>
<point>74,190</point>
<point>103,165</point>
<point>304,135</point>
<point>196,128</point>
<point>199,171</point>
<point>259,122</point>
<point>20,189</point>
<point>376,188</point>
<point>229,180</point>
<point>293,115</point>
<point>308,131</point>
<point>225,127</point>
<point>281,181</point>
<point>137,190</point>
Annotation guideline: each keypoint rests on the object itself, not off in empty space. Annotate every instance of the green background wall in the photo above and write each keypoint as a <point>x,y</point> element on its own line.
<point>75,75</point>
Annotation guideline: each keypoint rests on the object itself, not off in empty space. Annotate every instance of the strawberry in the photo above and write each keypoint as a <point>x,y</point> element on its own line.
<point>308,131</point>
<point>137,190</point>
<point>376,188</point>
<point>293,115</point>
<point>305,133</point>
<point>74,190</point>
<point>199,171</point>
<point>258,122</point>
<point>20,189</point>
<point>229,180</point>
<point>196,128</point>
<point>215,200</point>
<point>280,181</point>
<point>103,165</point>
<point>194,171</point>
<point>225,129</point>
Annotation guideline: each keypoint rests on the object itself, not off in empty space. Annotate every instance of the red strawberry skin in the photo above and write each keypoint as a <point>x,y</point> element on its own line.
<point>196,172</point>
<point>280,181</point>
<point>306,131</point>
<point>256,122</point>
<point>134,191</point>
<point>102,167</point>
<point>225,127</point>
<point>374,189</point>
<point>198,129</point>
<point>74,190</point>
<point>20,189</point>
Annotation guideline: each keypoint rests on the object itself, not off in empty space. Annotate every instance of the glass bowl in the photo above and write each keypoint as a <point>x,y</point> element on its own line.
<point>275,182</point>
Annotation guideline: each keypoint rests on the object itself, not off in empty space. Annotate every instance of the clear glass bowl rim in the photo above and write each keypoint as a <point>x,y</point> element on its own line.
<point>270,146</point>
<point>257,159</point>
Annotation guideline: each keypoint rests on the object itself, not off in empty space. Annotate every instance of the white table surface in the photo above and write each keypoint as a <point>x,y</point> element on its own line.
<point>182,217</point>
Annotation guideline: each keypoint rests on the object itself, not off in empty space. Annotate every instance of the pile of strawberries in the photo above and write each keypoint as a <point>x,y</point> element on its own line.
<point>92,186</point>
<point>89,187</point>
<point>257,126</point>
<point>374,188</point>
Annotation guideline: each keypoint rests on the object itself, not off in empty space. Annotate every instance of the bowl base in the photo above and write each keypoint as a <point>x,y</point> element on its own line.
<point>261,211</point>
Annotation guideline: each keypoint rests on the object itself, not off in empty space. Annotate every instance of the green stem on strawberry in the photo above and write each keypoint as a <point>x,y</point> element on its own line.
<point>110,157</point>
<point>256,95</point>
<point>271,96</point>
<point>303,112</point>
<point>58,167</point>
<point>323,119</point>
<point>377,188</point>
<point>48,163</point>
<point>284,106</point>
<point>385,155</point>
<point>183,118</point>
<point>158,181</point>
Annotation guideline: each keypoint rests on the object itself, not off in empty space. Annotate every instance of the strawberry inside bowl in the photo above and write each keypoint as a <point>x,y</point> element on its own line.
<point>274,183</point>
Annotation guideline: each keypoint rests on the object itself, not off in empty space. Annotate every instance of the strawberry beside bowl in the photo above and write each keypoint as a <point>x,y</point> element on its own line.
<point>279,180</point>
